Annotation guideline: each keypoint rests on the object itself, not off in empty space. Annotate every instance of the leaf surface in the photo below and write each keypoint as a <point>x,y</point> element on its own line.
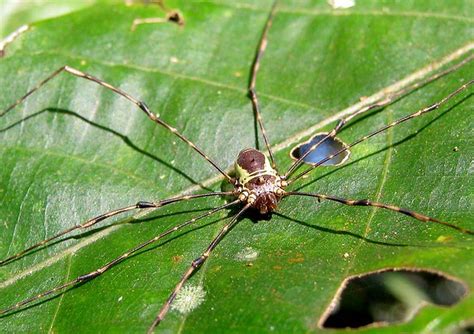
<point>75,150</point>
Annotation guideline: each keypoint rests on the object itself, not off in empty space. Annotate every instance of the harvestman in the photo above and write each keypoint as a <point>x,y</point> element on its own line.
<point>258,185</point>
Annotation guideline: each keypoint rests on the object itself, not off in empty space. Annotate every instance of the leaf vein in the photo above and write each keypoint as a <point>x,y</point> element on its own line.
<point>66,278</point>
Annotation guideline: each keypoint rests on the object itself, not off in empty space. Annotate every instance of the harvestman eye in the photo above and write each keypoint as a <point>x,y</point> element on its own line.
<point>257,186</point>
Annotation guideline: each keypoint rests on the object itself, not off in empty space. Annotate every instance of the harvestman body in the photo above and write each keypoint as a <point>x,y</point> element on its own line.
<point>257,184</point>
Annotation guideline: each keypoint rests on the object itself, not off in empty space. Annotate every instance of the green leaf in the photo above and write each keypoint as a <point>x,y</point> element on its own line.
<point>74,150</point>
<point>16,13</point>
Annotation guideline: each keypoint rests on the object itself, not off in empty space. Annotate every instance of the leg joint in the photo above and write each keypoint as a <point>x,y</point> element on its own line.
<point>252,92</point>
<point>88,276</point>
<point>142,105</point>
<point>144,204</point>
<point>362,202</point>
<point>199,261</point>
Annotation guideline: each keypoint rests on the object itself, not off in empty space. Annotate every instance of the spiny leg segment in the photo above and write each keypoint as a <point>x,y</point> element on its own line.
<point>253,81</point>
<point>138,103</point>
<point>195,265</point>
<point>420,112</point>
<point>107,266</point>
<point>365,202</point>
<point>91,222</point>
<point>380,104</point>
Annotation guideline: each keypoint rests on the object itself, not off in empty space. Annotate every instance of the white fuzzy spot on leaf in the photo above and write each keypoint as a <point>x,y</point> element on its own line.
<point>247,254</point>
<point>341,4</point>
<point>188,299</point>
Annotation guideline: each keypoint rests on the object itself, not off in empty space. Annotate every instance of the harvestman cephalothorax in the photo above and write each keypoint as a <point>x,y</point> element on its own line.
<point>258,185</point>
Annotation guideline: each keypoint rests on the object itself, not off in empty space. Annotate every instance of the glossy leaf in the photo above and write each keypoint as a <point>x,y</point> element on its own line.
<point>17,13</point>
<point>75,150</point>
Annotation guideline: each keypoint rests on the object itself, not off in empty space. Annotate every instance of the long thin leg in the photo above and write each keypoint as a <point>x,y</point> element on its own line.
<point>253,80</point>
<point>138,103</point>
<point>398,121</point>
<point>95,220</point>
<point>365,202</point>
<point>107,266</point>
<point>194,266</point>
<point>148,20</point>
<point>386,101</point>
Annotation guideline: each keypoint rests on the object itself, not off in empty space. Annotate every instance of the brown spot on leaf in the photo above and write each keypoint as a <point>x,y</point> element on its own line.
<point>299,258</point>
<point>177,258</point>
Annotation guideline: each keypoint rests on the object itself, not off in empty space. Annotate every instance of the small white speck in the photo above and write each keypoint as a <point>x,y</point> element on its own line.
<point>120,299</point>
<point>188,299</point>
<point>346,255</point>
<point>162,176</point>
<point>219,92</point>
<point>174,60</point>
<point>341,4</point>
<point>272,328</point>
<point>172,162</point>
<point>174,143</point>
